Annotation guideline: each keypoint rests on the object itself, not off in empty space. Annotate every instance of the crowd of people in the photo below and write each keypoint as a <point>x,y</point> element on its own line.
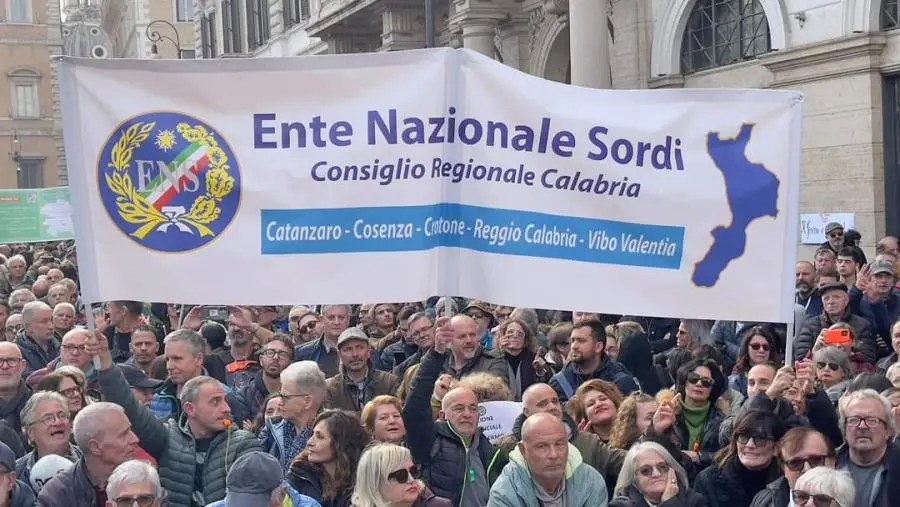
<point>379,405</point>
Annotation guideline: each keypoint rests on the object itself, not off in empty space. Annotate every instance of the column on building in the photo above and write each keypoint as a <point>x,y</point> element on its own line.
<point>589,38</point>
<point>514,41</point>
<point>403,25</point>
<point>478,35</point>
<point>476,22</point>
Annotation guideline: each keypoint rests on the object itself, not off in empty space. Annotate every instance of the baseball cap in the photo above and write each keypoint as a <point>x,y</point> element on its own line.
<point>833,226</point>
<point>252,479</point>
<point>137,379</point>
<point>352,333</point>
<point>882,267</point>
<point>7,457</point>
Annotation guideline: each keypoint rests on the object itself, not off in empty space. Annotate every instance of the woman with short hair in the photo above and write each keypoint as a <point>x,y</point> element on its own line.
<point>650,476</point>
<point>821,485</point>
<point>387,477</point>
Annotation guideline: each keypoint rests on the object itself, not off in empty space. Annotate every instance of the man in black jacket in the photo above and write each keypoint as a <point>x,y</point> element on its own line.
<point>452,451</point>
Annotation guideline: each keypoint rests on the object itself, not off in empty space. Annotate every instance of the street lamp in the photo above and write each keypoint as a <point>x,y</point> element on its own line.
<point>154,36</point>
<point>16,154</point>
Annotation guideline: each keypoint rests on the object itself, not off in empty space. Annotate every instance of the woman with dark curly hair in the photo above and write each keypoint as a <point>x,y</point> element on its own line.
<point>326,468</point>
<point>757,347</point>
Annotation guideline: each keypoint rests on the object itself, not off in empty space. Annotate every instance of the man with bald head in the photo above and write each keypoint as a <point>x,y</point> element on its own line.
<point>467,355</point>
<point>453,453</point>
<point>71,354</point>
<point>541,399</point>
<point>545,467</point>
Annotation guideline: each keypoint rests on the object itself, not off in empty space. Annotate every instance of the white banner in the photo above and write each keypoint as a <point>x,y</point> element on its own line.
<point>396,176</point>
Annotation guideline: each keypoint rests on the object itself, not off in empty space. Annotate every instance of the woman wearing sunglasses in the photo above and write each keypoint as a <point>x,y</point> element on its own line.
<point>757,347</point>
<point>650,476</point>
<point>747,465</point>
<point>387,477</point>
<point>833,371</point>
<point>824,487</point>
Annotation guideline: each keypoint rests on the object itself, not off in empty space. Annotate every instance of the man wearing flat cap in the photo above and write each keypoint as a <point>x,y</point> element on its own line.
<point>836,308</point>
<point>834,236</point>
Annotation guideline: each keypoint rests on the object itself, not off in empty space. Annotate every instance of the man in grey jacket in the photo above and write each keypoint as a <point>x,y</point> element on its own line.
<point>195,452</point>
<point>546,469</point>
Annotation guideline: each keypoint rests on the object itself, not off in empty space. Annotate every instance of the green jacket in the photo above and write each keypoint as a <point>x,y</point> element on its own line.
<point>173,446</point>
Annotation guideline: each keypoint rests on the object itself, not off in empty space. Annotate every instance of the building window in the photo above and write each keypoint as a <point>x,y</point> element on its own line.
<point>25,86</point>
<point>30,173</point>
<point>207,36</point>
<point>257,23</point>
<point>19,11</point>
<point>890,14</point>
<point>722,32</point>
<point>184,10</point>
<point>295,11</point>
<point>231,26</point>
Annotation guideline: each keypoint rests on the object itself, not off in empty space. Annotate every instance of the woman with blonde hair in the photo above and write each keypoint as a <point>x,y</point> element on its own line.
<point>387,477</point>
<point>635,415</point>
<point>383,419</point>
<point>595,407</point>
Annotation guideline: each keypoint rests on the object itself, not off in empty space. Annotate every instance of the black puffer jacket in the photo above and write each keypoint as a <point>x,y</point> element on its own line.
<point>433,444</point>
<point>732,485</point>
<point>776,494</point>
<point>686,497</point>
<point>306,478</point>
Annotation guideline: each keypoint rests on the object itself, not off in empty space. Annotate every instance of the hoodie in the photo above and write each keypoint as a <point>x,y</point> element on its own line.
<point>584,487</point>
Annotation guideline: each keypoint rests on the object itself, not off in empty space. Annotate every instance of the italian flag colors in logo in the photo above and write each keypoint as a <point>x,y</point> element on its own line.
<point>162,189</point>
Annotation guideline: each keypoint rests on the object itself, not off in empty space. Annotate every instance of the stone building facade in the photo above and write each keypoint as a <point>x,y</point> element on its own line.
<point>129,23</point>
<point>844,55</point>
<point>31,150</point>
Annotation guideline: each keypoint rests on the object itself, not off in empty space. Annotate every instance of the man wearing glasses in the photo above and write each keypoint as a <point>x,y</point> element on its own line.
<point>869,433</point>
<point>14,393</point>
<point>834,237</point>
<point>274,357</point>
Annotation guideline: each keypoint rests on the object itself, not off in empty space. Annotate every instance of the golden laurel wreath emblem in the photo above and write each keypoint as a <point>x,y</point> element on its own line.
<point>135,209</point>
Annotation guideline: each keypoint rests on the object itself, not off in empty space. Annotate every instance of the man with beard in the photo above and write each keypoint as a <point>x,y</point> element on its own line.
<point>588,360</point>
<point>274,358</point>
<point>358,381</point>
<point>467,355</point>
<point>805,284</point>
<point>243,355</point>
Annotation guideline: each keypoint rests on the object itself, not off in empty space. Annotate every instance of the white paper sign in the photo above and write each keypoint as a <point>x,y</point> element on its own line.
<point>812,225</point>
<point>398,176</point>
<point>496,418</point>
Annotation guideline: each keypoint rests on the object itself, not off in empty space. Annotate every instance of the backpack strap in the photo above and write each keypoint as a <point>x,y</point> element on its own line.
<point>566,386</point>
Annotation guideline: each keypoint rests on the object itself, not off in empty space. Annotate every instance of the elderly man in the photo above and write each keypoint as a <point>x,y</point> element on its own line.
<point>324,350</point>
<point>14,393</point>
<point>870,455</point>
<point>467,355</point>
<point>836,308</point>
<point>542,399</point>
<point>453,452</point>
<point>46,420</point>
<point>194,452</point>
<point>134,483</point>
<point>545,469</point>
<point>36,339</point>
<point>71,354</point>
<point>255,480</point>
<point>303,392</point>
<point>19,298</point>
<point>103,433</point>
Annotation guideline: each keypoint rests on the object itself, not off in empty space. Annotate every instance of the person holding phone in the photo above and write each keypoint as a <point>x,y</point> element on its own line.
<point>836,308</point>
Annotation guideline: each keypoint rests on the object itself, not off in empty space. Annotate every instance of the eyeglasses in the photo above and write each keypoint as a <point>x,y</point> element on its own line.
<point>801,497</point>
<point>514,334</point>
<point>279,353</point>
<point>758,439</point>
<point>309,326</point>
<point>404,475</point>
<point>131,501</point>
<point>71,391</point>
<point>49,419</point>
<point>697,380</point>
<point>796,465</point>
<point>285,396</point>
<point>871,422</point>
<point>831,366</point>
<point>73,348</point>
<point>10,362</point>
<point>477,315</point>
<point>422,333</point>
<point>659,468</point>
<point>836,234</point>
<point>760,346</point>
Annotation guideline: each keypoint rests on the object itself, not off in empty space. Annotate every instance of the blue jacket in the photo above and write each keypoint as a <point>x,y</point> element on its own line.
<point>568,379</point>
<point>35,357</point>
<point>585,487</point>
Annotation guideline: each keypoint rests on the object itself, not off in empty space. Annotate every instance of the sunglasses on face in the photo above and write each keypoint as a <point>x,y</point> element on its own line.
<point>836,235</point>
<point>131,501</point>
<point>830,366</point>
<point>309,326</point>
<point>697,380</point>
<point>760,346</point>
<point>659,468</point>
<point>404,475</point>
<point>796,465</point>
<point>758,439</point>
<point>801,497</point>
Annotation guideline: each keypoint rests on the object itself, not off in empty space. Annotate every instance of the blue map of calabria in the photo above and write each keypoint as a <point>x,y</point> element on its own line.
<point>752,193</point>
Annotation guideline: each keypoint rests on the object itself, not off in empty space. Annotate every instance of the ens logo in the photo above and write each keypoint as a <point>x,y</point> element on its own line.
<point>169,181</point>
